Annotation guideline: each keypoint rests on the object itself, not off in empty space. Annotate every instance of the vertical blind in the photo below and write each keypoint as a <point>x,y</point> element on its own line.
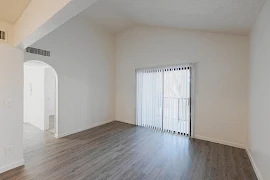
<point>163,99</point>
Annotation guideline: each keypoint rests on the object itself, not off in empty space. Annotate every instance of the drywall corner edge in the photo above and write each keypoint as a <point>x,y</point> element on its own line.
<point>257,172</point>
<point>12,166</point>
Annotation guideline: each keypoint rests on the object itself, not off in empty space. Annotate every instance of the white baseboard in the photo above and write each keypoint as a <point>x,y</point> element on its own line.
<point>11,166</point>
<point>258,174</point>
<point>242,146</point>
<point>82,129</point>
<point>127,122</point>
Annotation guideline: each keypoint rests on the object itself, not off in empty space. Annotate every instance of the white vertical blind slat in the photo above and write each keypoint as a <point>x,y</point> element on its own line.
<point>184,101</point>
<point>189,97</point>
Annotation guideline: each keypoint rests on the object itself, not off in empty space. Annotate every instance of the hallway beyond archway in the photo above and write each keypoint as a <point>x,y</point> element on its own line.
<point>41,96</point>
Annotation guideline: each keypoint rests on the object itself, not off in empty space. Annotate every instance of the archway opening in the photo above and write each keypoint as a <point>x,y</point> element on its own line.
<point>41,96</point>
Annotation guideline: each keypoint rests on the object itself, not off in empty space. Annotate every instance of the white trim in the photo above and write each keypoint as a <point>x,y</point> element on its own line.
<point>242,146</point>
<point>127,122</point>
<point>82,129</point>
<point>257,172</point>
<point>56,95</point>
<point>233,144</point>
<point>11,166</point>
<point>163,67</point>
<point>237,145</point>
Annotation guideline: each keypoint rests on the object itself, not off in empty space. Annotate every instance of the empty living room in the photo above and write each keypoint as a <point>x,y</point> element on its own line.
<point>134,89</point>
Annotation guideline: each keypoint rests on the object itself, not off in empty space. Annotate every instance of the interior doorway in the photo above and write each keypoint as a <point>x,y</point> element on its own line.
<point>41,96</point>
<point>164,99</point>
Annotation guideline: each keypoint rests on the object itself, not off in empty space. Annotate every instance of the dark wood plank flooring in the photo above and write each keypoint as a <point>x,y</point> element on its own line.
<point>119,151</point>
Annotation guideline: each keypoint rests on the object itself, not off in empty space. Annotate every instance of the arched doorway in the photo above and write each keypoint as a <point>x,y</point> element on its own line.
<point>41,96</point>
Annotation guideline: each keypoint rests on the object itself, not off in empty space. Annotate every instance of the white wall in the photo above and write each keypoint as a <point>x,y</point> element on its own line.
<point>259,123</point>
<point>50,94</point>
<point>84,60</point>
<point>37,13</point>
<point>11,118</point>
<point>222,76</point>
<point>34,95</point>
<point>50,85</point>
<point>42,17</point>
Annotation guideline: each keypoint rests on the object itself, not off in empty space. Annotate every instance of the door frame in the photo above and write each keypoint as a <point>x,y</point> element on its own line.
<point>56,133</point>
<point>193,70</point>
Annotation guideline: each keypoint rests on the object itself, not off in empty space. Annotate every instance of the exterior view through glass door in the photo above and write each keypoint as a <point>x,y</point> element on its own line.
<point>164,98</point>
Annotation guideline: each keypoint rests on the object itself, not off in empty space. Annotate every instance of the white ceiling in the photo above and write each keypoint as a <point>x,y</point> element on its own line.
<point>11,10</point>
<point>226,16</point>
<point>109,15</point>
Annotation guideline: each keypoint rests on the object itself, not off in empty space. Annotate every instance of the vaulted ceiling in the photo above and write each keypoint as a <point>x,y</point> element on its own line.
<point>226,16</point>
<point>11,10</point>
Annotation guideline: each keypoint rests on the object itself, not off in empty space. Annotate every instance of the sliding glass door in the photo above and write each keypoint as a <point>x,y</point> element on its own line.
<point>150,98</point>
<point>164,99</point>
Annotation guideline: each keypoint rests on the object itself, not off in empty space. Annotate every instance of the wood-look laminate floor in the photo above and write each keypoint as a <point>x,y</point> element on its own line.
<point>119,151</point>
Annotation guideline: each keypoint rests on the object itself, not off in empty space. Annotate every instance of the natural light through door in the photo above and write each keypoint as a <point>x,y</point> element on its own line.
<point>164,98</point>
